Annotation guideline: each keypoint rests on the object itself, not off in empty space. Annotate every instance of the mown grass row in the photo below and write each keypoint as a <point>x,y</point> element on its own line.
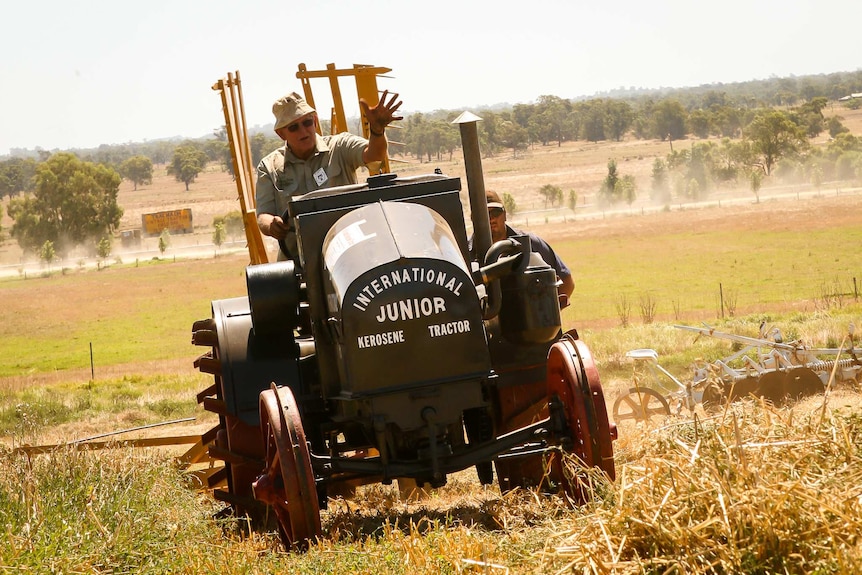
<point>750,489</point>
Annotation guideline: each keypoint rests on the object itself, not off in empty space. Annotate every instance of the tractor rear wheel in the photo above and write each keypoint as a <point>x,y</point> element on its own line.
<point>573,380</point>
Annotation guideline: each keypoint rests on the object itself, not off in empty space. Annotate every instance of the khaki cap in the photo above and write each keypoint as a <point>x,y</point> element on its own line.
<point>493,200</point>
<point>289,109</point>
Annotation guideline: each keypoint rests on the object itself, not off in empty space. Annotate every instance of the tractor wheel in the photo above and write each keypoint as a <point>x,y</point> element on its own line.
<point>573,380</point>
<point>640,404</point>
<point>287,483</point>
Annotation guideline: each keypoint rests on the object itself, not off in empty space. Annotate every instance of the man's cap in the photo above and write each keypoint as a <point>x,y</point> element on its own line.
<point>289,109</point>
<point>493,200</point>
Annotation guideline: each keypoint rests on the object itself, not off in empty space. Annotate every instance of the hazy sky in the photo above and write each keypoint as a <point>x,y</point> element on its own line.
<point>81,74</point>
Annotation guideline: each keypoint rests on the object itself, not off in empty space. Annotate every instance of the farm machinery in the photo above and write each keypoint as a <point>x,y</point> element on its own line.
<point>384,353</point>
<point>766,366</point>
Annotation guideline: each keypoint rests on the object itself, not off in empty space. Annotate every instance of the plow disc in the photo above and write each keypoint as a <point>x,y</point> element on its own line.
<point>778,386</point>
<point>287,484</point>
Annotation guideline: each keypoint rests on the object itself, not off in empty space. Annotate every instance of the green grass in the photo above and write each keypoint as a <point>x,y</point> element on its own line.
<point>128,313</point>
<point>27,413</point>
<point>687,272</point>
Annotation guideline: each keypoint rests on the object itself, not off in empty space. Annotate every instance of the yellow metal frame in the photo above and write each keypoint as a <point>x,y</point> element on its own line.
<point>237,133</point>
<point>243,169</point>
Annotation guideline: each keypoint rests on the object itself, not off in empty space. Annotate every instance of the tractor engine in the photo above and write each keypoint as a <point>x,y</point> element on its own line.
<point>407,327</point>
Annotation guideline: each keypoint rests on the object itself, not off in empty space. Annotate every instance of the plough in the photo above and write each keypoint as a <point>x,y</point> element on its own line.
<point>766,366</point>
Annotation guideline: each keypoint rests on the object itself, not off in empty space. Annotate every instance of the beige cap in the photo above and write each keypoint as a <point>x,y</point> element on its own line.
<point>493,200</point>
<point>289,109</point>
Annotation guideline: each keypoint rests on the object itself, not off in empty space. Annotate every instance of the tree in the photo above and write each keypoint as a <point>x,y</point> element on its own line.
<point>187,163</point>
<point>219,234</point>
<point>72,203</point>
<point>551,193</point>
<point>47,253</point>
<point>138,170</point>
<point>513,136</point>
<point>660,187</point>
<point>164,241</point>
<point>607,193</point>
<point>573,200</point>
<point>104,248</point>
<point>756,181</point>
<point>773,135</point>
<point>834,126</point>
<point>232,222</point>
<point>626,189</point>
<point>669,119</point>
<point>509,203</point>
<point>16,176</point>
<point>618,119</point>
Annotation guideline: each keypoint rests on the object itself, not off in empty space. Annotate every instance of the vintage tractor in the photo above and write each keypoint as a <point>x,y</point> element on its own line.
<point>382,352</point>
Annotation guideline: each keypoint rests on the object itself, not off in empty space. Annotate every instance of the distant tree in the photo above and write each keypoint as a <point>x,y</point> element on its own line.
<point>700,123</point>
<point>816,176</point>
<point>513,136</point>
<point>509,204</point>
<point>669,118</point>
<point>625,189</point>
<point>573,200</point>
<point>261,144</point>
<point>834,125</point>
<point>607,193</point>
<point>16,176</point>
<point>73,203</point>
<point>138,170</point>
<point>756,181</point>
<point>187,163</point>
<point>773,135</point>
<point>592,113</point>
<point>232,222</point>
<point>551,193</point>
<point>47,253</point>
<point>618,119</point>
<point>219,234</point>
<point>104,248</point>
<point>164,241</point>
<point>660,191</point>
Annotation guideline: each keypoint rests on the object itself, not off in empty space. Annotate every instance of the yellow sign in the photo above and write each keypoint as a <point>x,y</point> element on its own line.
<point>175,221</point>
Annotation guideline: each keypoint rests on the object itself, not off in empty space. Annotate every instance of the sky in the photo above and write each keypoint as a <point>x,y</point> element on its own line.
<point>82,74</point>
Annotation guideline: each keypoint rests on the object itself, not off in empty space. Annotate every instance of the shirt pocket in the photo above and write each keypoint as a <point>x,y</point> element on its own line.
<point>286,185</point>
<point>333,176</point>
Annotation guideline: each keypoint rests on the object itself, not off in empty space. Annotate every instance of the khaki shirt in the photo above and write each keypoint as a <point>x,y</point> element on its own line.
<point>281,175</point>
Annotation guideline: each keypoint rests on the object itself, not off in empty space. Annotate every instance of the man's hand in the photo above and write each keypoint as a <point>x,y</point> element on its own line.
<point>382,114</point>
<point>271,225</point>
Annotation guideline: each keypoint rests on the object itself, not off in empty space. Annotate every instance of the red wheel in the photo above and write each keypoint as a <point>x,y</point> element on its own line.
<point>287,484</point>
<point>574,379</point>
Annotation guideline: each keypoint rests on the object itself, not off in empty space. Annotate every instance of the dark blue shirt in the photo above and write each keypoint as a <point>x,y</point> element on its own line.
<point>538,245</point>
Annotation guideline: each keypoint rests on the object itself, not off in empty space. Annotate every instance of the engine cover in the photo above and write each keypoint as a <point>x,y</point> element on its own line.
<point>407,312</point>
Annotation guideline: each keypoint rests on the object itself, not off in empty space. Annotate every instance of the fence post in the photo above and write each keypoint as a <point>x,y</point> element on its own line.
<point>721,298</point>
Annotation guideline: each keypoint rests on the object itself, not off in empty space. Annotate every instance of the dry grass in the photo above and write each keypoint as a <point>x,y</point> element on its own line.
<point>754,489</point>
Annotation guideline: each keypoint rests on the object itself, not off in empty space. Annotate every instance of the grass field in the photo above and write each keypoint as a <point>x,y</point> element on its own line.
<point>751,489</point>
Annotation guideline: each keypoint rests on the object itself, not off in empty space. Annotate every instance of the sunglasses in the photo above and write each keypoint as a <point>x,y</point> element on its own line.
<point>495,212</point>
<point>306,123</point>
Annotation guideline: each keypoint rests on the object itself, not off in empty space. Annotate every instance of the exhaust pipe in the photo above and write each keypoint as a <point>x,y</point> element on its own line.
<point>478,202</point>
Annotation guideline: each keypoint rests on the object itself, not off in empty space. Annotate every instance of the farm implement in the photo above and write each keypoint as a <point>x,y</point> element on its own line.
<point>765,366</point>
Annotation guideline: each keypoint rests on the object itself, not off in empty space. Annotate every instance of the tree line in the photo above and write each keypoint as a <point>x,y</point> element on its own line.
<point>750,131</point>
